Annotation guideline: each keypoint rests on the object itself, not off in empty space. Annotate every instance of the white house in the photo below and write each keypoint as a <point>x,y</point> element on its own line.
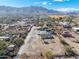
<point>64,23</point>
<point>76,29</point>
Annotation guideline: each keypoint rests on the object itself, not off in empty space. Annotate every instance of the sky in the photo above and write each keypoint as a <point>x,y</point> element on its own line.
<point>60,5</point>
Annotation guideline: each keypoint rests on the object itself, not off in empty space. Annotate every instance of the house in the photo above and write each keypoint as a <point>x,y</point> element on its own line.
<point>76,29</point>
<point>11,46</point>
<point>11,51</point>
<point>65,24</point>
<point>7,37</point>
<point>45,34</point>
<point>4,38</point>
<point>31,21</point>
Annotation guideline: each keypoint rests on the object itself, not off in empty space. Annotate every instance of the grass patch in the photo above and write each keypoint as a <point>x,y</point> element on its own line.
<point>47,55</point>
<point>69,52</point>
<point>64,43</point>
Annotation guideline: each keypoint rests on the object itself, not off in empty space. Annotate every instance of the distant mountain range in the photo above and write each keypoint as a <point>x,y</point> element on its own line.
<point>5,10</point>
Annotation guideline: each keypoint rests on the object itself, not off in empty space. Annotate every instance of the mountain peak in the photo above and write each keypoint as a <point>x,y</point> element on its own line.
<point>6,10</point>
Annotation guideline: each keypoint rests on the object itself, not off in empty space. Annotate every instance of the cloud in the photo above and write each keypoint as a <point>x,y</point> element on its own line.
<point>67,9</point>
<point>61,0</point>
<point>45,3</point>
<point>42,3</point>
<point>50,3</point>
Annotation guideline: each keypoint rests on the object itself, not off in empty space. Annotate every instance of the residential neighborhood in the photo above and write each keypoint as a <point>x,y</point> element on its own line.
<point>39,29</point>
<point>40,38</point>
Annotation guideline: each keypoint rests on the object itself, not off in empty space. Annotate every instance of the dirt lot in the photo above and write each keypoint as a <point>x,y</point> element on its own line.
<point>34,46</point>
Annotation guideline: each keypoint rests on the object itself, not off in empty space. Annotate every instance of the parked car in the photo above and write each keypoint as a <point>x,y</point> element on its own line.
<point>45,36</point>
<point>46,42</point>
<point>51,32</point>
<point>67,26</point>
<point>67,34</point>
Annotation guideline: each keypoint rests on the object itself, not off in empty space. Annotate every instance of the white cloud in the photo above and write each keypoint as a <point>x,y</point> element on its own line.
<point>50,3</point>
<point>45,3</point>
<point>67,9</point>
<point>61,0</point>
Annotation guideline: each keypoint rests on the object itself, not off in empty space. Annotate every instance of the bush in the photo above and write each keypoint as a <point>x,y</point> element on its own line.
<point>69,52</point>
<point>18,42</point>
<point>47,54</point>
<point>64,43</point>
<point>3,46</point>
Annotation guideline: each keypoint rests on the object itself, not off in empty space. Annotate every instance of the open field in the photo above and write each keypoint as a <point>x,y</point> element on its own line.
<point>52,37</point>
<point>57,16</point>
<point>34,48</point>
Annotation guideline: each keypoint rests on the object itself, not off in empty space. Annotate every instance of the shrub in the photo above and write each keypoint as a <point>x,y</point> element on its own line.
<point>18,42</point>
<point>47,54</point>
<point>3,46</point>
